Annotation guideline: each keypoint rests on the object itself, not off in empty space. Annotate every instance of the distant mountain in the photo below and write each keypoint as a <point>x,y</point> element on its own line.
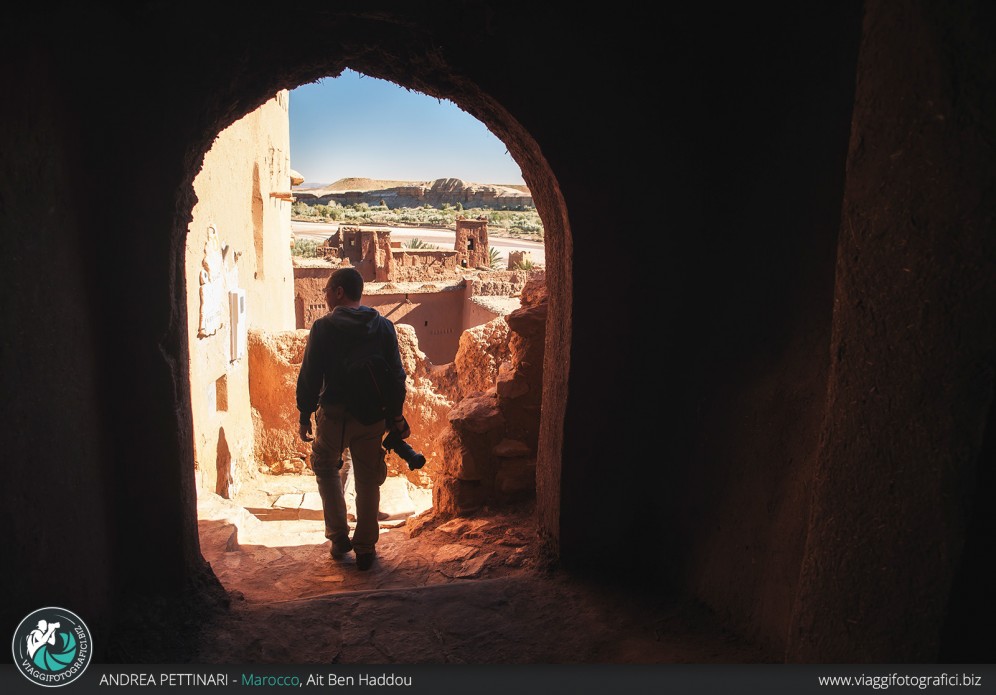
<point>414,193</point>
<point>365,184</point>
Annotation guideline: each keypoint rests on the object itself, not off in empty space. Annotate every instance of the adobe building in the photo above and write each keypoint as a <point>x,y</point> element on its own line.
<point>367,250</point>
<point>519,259</point>
<point>440,292</point>
<point>472,243</point>
<point>378,259</point>
<point>239,277</point>
<point>816,337</point>
<point>438,309</point>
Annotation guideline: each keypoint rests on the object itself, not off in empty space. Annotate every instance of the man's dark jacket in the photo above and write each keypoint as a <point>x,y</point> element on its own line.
<point>333,336</point>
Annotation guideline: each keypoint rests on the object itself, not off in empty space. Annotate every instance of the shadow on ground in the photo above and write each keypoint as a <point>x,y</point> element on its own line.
<point>475,590</point>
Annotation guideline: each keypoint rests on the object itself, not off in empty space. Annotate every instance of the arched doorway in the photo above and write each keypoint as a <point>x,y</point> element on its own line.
<point>232,542</point>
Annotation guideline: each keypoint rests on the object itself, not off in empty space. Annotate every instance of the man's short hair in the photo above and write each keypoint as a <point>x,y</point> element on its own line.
<point>350,280</point>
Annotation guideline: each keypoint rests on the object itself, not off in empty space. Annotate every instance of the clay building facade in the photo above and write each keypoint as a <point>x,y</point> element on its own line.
<point>436,314</point>
<point>239,277</point>
<point>471,243</point>
<point>378,259</point>
<point>414,265</point>
<point>437,293</point>
<point>367,250</point>
<point>439,312</point>
<point>309,294</point>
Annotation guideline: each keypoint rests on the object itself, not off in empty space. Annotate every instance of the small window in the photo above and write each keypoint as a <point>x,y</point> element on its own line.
<point>221,394</point>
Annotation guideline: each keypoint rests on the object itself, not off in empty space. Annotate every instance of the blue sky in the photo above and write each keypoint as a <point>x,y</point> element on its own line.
<point>358,126</point>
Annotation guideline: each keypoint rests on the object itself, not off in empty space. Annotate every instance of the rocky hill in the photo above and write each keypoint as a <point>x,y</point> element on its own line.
<point>354,184</point>
<point>414,193</point>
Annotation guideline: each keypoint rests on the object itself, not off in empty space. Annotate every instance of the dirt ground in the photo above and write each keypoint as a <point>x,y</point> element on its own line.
<point>477,590</point>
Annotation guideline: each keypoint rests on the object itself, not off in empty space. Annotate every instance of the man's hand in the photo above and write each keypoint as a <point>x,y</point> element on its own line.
<point>306,431</point>
<point>399,425</point>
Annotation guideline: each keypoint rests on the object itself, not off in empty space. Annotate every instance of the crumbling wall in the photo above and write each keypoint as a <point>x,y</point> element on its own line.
<point>274,363</point>
<point>490,445</point>
<point>378,259</point>
<point>499,282</point>
<point>368,250</point>
<point>483,349</point>
<point>423,265</point>
<point>426,409</point>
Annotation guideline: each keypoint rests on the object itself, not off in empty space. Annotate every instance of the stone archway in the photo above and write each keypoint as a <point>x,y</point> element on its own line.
<point>550,199</point>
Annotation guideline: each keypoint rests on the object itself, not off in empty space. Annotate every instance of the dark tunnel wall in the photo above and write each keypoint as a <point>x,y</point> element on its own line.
<point>737,182</point>
<point>55,511</point>
<point>912,358</point>
<point>754,153</point>
<point>751,140</point>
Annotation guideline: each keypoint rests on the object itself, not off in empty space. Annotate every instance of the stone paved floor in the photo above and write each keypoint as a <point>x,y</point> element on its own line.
<point>268,543</point>
<point>464,590</point>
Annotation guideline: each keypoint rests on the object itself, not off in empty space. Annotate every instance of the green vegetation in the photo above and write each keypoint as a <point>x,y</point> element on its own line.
<point>305,248</point>
<point>495,260</point>
<point>525,264</point>
<point>302,209</point>
<point>318,213</point>
<point>523,223</point>
<point>416,243</point>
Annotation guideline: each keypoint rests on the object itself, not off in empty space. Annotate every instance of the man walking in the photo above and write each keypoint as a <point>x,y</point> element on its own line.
<point>349,333</point>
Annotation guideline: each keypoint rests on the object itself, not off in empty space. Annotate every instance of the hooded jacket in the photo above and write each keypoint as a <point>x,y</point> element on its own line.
<point>332,337</point>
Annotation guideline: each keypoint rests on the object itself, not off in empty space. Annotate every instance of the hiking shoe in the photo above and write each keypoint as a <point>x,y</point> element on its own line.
<point>340,548</point>
<point>364,561</point>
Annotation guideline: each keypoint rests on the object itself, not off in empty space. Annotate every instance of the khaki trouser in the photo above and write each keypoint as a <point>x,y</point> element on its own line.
<point>336,430</point>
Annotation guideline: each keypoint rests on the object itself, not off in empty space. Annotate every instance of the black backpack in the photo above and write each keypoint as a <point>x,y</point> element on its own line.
<point>366,382</point>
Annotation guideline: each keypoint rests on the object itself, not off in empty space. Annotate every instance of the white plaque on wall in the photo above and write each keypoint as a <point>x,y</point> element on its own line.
<point>214,298</point>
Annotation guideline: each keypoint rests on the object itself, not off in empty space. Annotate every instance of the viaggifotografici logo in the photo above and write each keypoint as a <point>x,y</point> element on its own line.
<point>52,647</point>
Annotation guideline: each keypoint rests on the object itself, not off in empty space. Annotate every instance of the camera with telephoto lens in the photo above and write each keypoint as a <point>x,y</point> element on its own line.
<point>394,442</point>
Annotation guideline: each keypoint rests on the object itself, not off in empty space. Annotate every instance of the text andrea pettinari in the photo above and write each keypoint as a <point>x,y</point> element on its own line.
<point>173,679</point>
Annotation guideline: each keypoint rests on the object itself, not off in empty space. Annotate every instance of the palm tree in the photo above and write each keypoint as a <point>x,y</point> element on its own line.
<point>495,259</point>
